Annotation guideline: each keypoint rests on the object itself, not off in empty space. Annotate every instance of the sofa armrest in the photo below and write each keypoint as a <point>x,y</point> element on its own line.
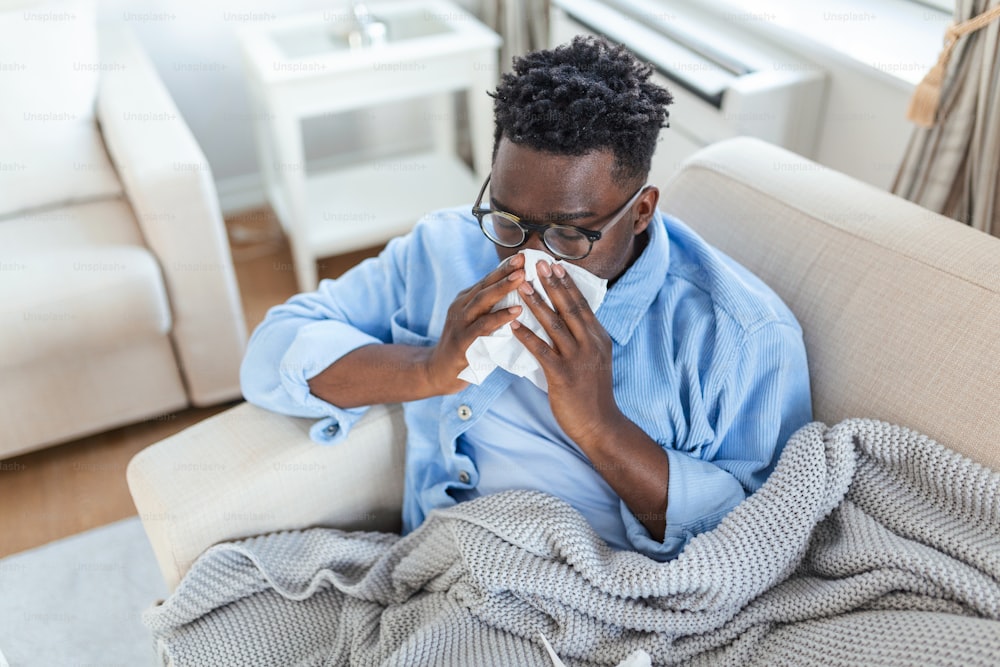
<point>249,471</point>
<point>170,187</point>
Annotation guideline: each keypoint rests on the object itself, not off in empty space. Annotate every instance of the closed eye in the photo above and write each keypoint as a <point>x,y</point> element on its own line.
<point>555,218</point>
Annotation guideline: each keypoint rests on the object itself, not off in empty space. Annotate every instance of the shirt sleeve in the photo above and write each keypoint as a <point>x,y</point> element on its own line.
<point>764,400</point>
<point>300,338</point>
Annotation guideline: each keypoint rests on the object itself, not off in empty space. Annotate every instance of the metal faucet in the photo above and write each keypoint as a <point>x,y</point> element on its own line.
<point>367,31</point>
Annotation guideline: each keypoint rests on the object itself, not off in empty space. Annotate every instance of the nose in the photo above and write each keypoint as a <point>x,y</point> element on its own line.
<point>534,242</point>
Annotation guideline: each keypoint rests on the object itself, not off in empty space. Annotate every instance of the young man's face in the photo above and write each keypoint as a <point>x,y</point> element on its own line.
<point>575,190</point>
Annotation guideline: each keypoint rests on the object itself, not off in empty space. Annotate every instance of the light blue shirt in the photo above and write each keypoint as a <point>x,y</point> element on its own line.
<point>518,444</point>
<point>706,359</point>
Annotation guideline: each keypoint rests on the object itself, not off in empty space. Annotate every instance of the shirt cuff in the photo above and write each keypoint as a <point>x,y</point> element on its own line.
<point>699,495</point>
<point>315,347</point>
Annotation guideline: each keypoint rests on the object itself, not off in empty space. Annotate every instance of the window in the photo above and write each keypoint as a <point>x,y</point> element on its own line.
<point>943,5</point>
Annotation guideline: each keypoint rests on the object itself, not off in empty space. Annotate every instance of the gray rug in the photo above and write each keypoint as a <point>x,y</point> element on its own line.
<point>77,601</point>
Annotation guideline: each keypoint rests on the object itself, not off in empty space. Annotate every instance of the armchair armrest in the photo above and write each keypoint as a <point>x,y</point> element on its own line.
<point>169,185</point>
<point>248,471</point>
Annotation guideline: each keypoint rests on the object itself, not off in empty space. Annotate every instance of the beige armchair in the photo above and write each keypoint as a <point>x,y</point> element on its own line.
<point>900,309</point>
<point>118,300</point>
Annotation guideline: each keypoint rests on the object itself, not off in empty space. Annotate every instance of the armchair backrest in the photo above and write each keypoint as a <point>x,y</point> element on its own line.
<point>50,150</point>
<point>900,307</point>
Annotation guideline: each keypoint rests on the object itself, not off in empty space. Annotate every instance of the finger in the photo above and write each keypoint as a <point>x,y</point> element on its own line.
<point>490,322</point>
<point>484,299</point>
<point>567,300</point>
<point>539,348</point>
<point>509,271</point>
<point>503,270</point>
<point>550,320</point>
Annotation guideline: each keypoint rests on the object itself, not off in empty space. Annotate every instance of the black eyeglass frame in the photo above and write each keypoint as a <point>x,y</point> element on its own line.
<point>528,228</point>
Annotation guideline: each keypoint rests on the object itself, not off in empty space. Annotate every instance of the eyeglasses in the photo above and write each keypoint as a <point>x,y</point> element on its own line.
<point>563,241</point>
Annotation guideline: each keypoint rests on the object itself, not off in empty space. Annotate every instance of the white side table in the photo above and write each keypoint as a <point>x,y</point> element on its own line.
<point>303,66</point>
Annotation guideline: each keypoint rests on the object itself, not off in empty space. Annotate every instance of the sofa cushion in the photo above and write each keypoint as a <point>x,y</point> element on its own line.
<point>68,302</point>
<point>49,50</point>
<point>50,150</point>
<point>109,222</point>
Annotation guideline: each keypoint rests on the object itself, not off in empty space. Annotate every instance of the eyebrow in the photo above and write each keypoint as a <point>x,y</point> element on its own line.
<point>559,217</point>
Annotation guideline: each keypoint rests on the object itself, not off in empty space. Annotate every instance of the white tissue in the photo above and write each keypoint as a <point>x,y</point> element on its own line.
<point>501,349</point>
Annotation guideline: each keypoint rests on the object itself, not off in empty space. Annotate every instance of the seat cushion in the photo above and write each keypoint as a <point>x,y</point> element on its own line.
<point>51,151</point>
<point>72,301</point>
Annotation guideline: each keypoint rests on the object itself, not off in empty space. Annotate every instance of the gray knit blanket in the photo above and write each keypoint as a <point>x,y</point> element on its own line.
<point>869,545</point>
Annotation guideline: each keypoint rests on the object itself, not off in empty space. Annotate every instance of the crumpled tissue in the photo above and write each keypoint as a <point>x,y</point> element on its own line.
<point>501,349</point>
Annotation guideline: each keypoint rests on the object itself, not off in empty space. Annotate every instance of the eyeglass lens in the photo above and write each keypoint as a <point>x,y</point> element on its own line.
<point>564,241</point>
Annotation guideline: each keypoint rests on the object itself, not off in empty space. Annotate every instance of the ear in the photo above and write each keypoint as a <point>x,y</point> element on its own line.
<point>645,207</point>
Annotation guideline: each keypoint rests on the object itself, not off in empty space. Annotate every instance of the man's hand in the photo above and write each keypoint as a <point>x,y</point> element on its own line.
<point>578,368</point>
<point>577,365</point>
<point>470,316</point>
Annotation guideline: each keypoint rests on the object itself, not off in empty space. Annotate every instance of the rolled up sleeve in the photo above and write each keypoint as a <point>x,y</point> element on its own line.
<point>699,494</point>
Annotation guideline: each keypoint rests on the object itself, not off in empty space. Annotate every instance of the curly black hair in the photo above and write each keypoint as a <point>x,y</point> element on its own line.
<point>583,96</point>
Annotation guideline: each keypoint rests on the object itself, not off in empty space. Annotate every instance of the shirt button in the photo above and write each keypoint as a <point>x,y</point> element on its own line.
<point>331,429</point>
<point>464,412</point>
<point>463,477</point>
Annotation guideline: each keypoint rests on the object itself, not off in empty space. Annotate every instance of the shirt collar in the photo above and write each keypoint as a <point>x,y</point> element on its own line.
<point>632,295</point>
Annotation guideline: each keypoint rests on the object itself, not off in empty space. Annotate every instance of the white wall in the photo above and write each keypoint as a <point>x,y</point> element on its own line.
<point>864,131</point>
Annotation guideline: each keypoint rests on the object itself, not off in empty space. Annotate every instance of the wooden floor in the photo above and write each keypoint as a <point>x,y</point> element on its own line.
<point>61,490</point>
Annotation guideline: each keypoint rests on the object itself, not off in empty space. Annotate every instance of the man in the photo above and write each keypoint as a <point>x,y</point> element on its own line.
<point>664,410</point>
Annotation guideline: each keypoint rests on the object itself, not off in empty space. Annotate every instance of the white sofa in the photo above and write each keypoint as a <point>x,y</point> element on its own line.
<point>900,310</point>
<point>118,300</point>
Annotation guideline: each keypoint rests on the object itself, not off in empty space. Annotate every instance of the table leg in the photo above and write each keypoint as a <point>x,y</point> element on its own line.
<point>290,170</point>
<point>443,123</point>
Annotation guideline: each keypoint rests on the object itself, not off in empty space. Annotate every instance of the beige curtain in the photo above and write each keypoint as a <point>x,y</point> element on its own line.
<point>953,167</point>
<point>523,25</point>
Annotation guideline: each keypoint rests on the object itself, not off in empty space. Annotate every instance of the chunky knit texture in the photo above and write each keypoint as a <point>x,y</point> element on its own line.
<point>869,545</point>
